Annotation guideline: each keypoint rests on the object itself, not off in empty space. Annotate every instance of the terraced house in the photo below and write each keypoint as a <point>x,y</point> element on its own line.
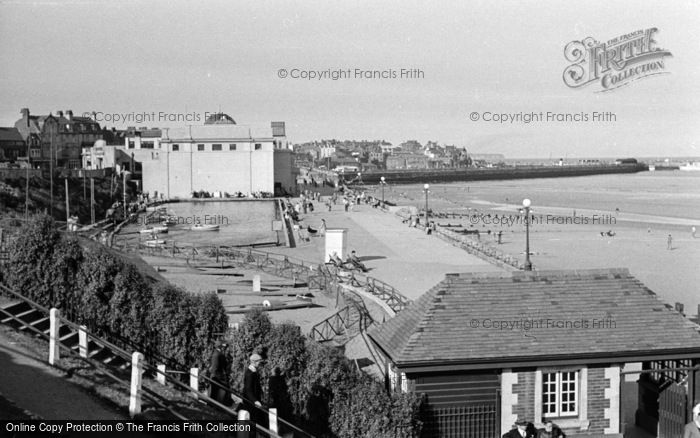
<point>59,138</point>
<point>593,350</point>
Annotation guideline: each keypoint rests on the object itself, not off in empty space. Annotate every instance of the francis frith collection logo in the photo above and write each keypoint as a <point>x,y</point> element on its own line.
<point>616,62</point>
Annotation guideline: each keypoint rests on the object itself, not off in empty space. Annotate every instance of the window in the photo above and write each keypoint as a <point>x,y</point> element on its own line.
<point>560,394</point>
<point>200,147</point>
<point>232,147</point>
<point>216,147</point>
<point>258,146</point>
<point>132,144</point>
<point>176,147</point>
<point>35,153</point>
<point>146,145</point>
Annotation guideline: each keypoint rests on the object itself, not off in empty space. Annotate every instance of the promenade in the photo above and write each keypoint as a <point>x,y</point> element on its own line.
<point>403,257</point>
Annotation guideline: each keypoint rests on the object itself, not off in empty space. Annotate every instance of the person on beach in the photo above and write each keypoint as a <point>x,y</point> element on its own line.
<point>669,242</point>
<point>354,260</point>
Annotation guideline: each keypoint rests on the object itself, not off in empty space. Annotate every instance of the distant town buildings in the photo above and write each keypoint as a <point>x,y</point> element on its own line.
<point>58,138</point>
<point>12,145</point>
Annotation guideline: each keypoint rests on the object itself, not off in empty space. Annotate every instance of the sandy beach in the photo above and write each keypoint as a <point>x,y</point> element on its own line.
<point>640,228</point>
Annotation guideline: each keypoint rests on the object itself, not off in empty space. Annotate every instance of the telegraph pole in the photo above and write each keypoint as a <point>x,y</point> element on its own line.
<point>51,172</point>
<point>67,204</point>
<point>26,191</point>
<point>92,200</point>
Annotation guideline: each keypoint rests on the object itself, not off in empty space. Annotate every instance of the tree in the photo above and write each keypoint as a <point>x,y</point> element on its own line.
<point>95,281</point>
<point>171,320</point>
<point>250,337</point>
<point>129,308</point>
<point>210,323</point>
<point>43,263</point>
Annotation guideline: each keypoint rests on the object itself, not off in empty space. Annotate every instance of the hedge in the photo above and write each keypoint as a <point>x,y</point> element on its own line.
<point>112,297</point>
<point>327,395</point>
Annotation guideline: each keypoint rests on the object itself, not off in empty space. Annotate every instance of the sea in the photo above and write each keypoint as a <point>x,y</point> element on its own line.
<point>648,207</point>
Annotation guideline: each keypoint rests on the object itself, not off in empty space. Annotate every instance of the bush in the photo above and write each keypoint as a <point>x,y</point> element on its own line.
<point>210,323</point>
<point>327,395</point>
<point>171,321</point>
<point>43,264</point>
<point>96,283</point>
<point>129,307</point>
<point>111,297</point>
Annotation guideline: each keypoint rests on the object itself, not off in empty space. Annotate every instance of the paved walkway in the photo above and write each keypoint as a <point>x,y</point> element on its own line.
<point>405,258</point>
<point>35,386</point>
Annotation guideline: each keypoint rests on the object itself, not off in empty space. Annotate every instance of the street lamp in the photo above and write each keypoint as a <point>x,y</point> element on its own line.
<point>382,182</point>
<point>359,177</point>
<point>425,189</point>
<point>528,263</point>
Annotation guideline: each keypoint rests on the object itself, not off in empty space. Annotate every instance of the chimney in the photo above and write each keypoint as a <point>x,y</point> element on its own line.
<point>25,115</point>
<point>679,308</point>
<point>278,129</point>
<point>69,114</point>
<point>59,113</point>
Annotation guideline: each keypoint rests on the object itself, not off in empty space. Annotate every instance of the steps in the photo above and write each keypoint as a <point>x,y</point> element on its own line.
<point>30,317</point>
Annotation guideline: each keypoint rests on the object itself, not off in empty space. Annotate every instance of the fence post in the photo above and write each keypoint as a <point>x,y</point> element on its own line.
<point>244,415</point>
<point>135,396</point>
<point>83,341</point>
<point>160,374</point>
<point>54,328</point>
<point>273,420</point>
<point>194,380</point>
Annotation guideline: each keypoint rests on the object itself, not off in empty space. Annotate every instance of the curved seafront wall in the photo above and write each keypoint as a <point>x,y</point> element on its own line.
<point>481,174</point>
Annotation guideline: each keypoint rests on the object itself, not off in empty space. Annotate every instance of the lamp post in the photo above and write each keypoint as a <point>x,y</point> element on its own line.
<point>382,182</point>
<point>528,263</point>
<point>359,177</point>
<point>425,189</point>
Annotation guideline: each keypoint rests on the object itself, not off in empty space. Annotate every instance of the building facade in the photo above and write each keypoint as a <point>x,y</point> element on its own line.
<point>402,160</point>
<point>12,145</point>
<point>594,351</point>
<point>57,140</point>
<point>219,157</point>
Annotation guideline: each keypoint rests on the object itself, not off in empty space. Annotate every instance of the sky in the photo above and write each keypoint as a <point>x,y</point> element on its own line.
<point>186,58</point>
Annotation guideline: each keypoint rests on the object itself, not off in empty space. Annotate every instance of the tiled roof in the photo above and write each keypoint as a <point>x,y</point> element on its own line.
<point>457,320</point>
<point>10,134</point>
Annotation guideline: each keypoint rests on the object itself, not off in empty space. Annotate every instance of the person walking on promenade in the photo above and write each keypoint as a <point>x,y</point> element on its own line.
<point>669,242</point>
<point>218,370</point>
<point>322,231</point>
<point>252,389</point>
<point>692,230</point>
<point>692,429</point>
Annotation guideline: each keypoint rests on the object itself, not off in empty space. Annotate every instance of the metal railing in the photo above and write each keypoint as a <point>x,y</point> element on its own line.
<point>315,275</point>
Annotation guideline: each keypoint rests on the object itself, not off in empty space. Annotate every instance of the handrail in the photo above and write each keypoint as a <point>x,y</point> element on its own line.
<point>146,366</point>
<point>95,364</point>
<point>23,298</point>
